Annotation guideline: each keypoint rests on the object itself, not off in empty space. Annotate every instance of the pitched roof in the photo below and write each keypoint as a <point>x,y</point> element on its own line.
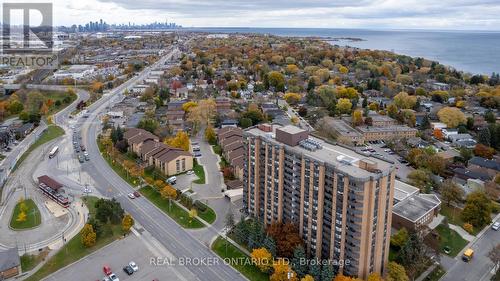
<point>50,182</point>
<point>227,141</point>
<point>234,184</point>
<point>486,163</point>
<point>236,153</point>
<point>134,135</point>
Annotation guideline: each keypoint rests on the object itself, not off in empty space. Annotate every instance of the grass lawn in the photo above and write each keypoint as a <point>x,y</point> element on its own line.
<point>217,149</point>
<point>452,214</point>
<point>199,172</point>
<point>73,250</point>
<point>450,238</point>
<point>49,134</point>
<point>236,258</point>
<point>58,96</point>
<point>208,215</point>
<point>33,217</point>
<point>175,212</point>
<point>28,262</point>
<point>117,167</point>
<point>436,274</point>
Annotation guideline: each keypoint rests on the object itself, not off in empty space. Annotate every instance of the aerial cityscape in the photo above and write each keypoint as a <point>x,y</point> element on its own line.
<point>250,140</point>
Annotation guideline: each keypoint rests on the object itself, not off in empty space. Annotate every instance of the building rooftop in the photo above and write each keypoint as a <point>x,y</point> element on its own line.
<point>403,191</point>
<point>416,207</point>
<point>344,159</point>
<point>394,128</point>
<point>486,163</point>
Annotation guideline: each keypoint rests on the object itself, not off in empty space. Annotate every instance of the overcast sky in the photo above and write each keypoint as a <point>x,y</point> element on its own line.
<point>375,14</point>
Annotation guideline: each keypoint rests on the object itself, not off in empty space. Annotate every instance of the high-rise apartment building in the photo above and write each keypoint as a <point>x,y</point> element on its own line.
<point>340,200</point>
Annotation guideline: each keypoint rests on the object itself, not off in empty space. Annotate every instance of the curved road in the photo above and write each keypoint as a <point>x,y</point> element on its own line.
<point>23,183</point>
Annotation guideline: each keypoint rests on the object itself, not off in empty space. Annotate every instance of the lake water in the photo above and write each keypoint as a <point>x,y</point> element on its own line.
<point>470,51</point>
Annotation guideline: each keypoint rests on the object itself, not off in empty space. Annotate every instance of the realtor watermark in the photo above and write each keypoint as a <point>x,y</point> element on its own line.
<point>242,261</point>
<point>28,36</point>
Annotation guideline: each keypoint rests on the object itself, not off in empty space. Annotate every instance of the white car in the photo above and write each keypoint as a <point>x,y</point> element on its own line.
<point>496,226</point>
<point>131,195</point>
<point>133,265</point>
<point>190,172</point>
<point>113,277</point>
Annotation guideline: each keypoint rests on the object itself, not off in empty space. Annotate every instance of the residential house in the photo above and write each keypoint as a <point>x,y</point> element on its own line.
<point>483,165</point>
<point>167,159</point>
<point>136,137</point>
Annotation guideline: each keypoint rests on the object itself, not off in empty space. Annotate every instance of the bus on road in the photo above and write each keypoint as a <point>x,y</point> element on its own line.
<point>53,152</point>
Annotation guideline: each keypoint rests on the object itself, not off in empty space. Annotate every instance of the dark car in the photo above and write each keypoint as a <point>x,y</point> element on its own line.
<point>128,270</point>
<point>82,147</point>
<point>137,194</point>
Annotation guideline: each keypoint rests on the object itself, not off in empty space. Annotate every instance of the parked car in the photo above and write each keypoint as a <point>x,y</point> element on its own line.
<point>107,270</point>
<point>81,159</point>
<point>131,195</point>
<point>190,172</point>
<point>496,226</point>
<point>128,270</point>
<point>87,158</point>
<point>172,180</point>
<point>134,266</point>
<point>113,277</point>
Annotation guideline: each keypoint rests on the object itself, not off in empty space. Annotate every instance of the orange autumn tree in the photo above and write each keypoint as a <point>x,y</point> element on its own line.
<point>283,272</point>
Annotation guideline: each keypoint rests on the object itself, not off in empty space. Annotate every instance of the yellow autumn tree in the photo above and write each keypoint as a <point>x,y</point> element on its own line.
<point>180,140</point>
<point>307,278</point>
<point>292,98</point>
<point>451,116</point>
<point>210,135</point>
<point>344,106</point>
<point>202,114</point>
<point>21,217</point>
<point>405,101</point>
<point>262,258</point>
<point>88,235</point>
<point>282,271</point>
<point>357,118</point>
<point>188,105</point>
<point>127,223</point>
<point>192,214</point>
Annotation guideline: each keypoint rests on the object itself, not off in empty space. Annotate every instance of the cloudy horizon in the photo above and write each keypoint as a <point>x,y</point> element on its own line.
<point>367,14</point>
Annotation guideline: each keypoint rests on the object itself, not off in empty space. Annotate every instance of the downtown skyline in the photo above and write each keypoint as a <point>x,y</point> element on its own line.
<point>367,14</point>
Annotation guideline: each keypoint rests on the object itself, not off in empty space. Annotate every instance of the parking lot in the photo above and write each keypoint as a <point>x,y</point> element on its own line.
<point>378,149</point>
<point>116,256</point>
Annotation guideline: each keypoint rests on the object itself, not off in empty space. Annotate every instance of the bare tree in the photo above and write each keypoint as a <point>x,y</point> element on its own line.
<point>494,255</point>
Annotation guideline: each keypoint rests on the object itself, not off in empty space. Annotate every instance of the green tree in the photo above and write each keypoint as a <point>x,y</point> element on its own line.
<point>451,192</point>
<point>400,238</point>
<point>477,210</point>
<point>298,264</point>
<point>421,179</point>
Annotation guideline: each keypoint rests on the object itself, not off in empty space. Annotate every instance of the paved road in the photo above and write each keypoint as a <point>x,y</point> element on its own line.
<point>176,240</point>
<point>478,269</point>
<point>22,183</point>
<point>116,256</point>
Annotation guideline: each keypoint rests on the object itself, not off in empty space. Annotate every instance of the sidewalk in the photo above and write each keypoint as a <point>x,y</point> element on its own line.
<point>465,235</point>
<point>426,272</point>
